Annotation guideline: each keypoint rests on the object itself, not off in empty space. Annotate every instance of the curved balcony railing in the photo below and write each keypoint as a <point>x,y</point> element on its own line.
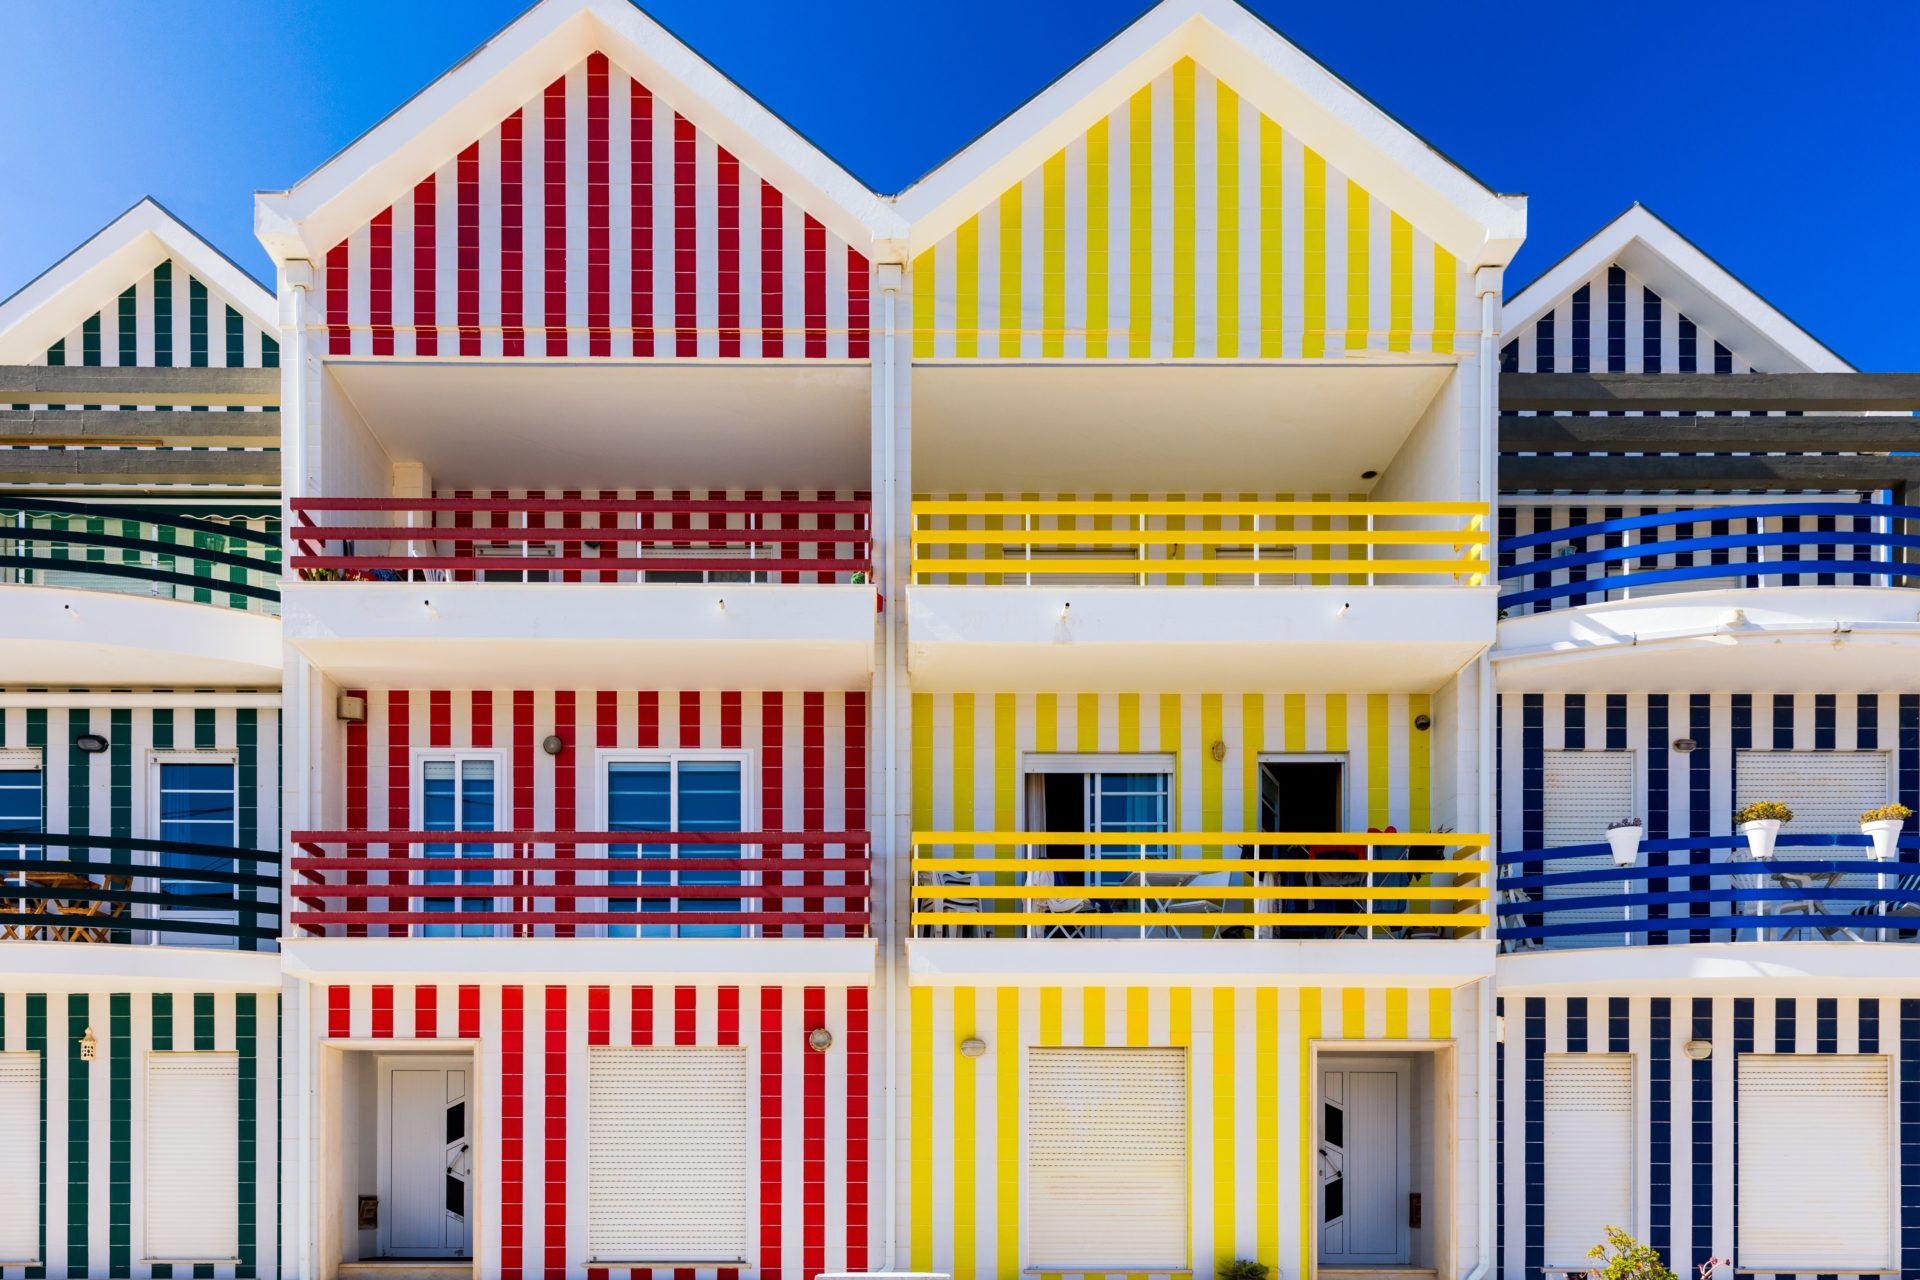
<point>116,889</point>
<point>1743,545</point>
<point>1218,884</point>
<point>817,540</point>
<point>1707,889</point>
<point>566,884</point>
<point>1168,542</point>
<point>132,550</point>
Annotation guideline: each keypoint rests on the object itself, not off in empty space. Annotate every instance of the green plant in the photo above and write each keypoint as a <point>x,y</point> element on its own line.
<point>1624,1258</point>
<point>1886,811</point>
<point>1243,1269</point>
<point>1761,810</point>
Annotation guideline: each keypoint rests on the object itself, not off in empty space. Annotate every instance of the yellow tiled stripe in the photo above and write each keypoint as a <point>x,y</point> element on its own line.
<point>1310,1018</point>
<point>1313,263</point>
<point>1446,297</point>
<point>1010,271</point>
<point>1184,180</point>
<point>1266,1126</point>
<point>1359,265</point>
<point>966,288</point>
<point>1140,223</point>
<point>1226,245</point>
<point>1053,256</point>
<point>1400,256</point>
<point>920,1127</point>
<point>1099,180</point>
<point>925,290</point>
<point>1272,239</point>
<point>1224,1127</point>
<point>1007,1099</point>
<point>966,1133</point>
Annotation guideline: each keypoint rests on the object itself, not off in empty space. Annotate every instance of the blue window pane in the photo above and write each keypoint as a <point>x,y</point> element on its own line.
<point>688,796</point>
<point>710,800</point>
<point>639,798</point>
<point>198,805</point>
<point>457,795</point>
<point>20,809</point>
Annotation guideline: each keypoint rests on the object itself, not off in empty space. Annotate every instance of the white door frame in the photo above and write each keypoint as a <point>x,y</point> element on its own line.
<point>384,1066</point>
<point>156,916</point>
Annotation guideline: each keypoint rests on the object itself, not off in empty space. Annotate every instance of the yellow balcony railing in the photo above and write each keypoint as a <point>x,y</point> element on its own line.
<point>1169,542</point>
<point>1183,884</point>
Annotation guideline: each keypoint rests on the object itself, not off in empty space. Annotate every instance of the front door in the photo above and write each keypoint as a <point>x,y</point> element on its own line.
<point>1365,1179</point>
<point>427,1132</point>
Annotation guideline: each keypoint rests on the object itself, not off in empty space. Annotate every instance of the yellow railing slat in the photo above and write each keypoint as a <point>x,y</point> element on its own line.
<point>1194,537</point>
<point>1353,566</point>
<point>1264,839</point>
<point>1374,866</point>
<point>1205,893</point>
<point>1179,507</point>
<point>1264,920</point>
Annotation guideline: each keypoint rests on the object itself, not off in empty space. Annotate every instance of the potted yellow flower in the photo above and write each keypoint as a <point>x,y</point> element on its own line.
<point>1760,823</point>
<point>1882,826</point>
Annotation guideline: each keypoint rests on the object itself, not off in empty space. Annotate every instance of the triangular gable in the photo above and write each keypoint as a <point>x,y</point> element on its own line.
<point>583,185</point>
<point>1638,297</point>
<point>1199,187</point>
<point>145,291</point>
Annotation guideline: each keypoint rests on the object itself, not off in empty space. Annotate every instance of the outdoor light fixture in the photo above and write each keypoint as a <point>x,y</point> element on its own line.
<point>91,743</point>
<point>1423,722</point>
<point>1684,746</point>
<point>1218,751</point>
<point>1369,475</point>
<point>553,744</point>
<point>973,1047</point>
<point>350,707</point>
<point>89,1046</point>
<point>819,1039</point>
<point>1699,1050</point>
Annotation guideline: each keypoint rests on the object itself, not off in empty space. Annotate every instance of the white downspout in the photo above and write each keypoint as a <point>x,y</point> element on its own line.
<point>891,274</point>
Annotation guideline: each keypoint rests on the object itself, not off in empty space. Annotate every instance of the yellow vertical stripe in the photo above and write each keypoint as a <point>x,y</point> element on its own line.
<point>920,1177</point>
<point>1359,264</point>
<point>1006,1065</point>
<point>1046,722</point>
<point>1313,258</point>
<point>1180,1016</point>
<point>963,767</point>
<point>1336,717</point>
<point>1184,182</point>
<point>1353,1013</point>
<point>1253,734</point>
<point>1226,249</point>
<point>1419,765</point>
<point>1293,722</point>
<point>1099,191</point>
<point>1396,1013</point>
<point>1223,1125</point>
<point>1093,1016</point>
<point>1446,298</point>
<point>1266,1126</point>
<point>966,288</point>
<point>1006,783</point>
<point>1050,998</point>
<point>1129,709</point>
<point>1379,765</point>
<point>1053,255</point>
<point>1140,223</point>
<point>966,1132</point>
<point>1309,1182</point>
<point>925,289</point>
<point>1212,772</point>
<point>1087,722</point>
<point>1011,254</point>
<point>1400,324</point>
<point>1170,726</point>
<point>1272,239</point>
<point>1439,1014</point>
<point>922,761</point>
<point>1136,1016</point>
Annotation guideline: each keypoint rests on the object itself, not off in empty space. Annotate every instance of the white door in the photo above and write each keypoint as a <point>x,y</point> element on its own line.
<point>1365,1175</point>
<point>426,1155</point>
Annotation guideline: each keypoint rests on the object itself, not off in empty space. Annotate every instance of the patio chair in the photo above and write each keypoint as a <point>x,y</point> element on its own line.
<point>949,904</point>
<point>1062,907</point>
<point>1203,906</point>
<point>1906,906</point>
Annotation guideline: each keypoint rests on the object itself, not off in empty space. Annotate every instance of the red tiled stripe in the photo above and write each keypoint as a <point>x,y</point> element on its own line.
<point>469,1013</point>
<point>859,304</point>
<point>523,748</point>
<point>772,1186</point>
<point>686,243</point>
<point>857,1120</point>
<point>339,343</point>
<point>685,1014</point>
<point>730,714</point>
<point>689,718</point>
<point>440,718</point>
<point>647,718</point>
<point>568,520</point>
<point>727,211</point>
<point>383,1013</point>
<point>773,301</point>
<point>513,339</point>
<point>606,718</point>
<point>853,774</point>
<point>599,232</point>
<point>426,279</point>
<point>642,1032</point>
<point>815,243</point>
<point>467,180</point>
<point>727,1024</point>
<point>554,129</point>
<point>356,802</point>
<point>773,792</point>
<point>813,783</point>
<point>426,1011</point>
<point>482,718</point>
<point>380,280</point>
<point>399,776</point>
<point>813,1144</point>
<point>564,789</point>
<point>513,1086</point>
<point>556,1133</point>
<point>599,1016</point>
<point>339,1012</point>
<point>640,194</point>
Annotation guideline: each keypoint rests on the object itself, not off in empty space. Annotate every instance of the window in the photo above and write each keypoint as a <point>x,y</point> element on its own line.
<point>1827,790</point>
<point>1589,1135</point>
<point>667,1159</point>
<point>19,1158</point>
<point>457,793</point>
<point>21,790</point>
<point>1584,791</point>
<point>684,793</point>
<point>193,1157</point>
<point>1071,794</point>
<point>198,803</point>
<point>1107,1159</point>
<point>1801,1209</point>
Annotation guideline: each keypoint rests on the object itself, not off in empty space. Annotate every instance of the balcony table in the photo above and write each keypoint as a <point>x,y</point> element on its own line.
<point>1809,906</point>
<point>56,909</point>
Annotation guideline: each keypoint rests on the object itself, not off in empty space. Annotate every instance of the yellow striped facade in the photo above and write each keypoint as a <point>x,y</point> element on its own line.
<point>1186,223</point>
<point>1250,1154</point>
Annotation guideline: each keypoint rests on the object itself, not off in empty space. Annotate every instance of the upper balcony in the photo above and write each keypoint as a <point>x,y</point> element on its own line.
<point>1111,592</point>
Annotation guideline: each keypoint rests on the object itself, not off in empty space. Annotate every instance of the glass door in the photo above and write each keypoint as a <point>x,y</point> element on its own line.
<point>678,793</point>
<point>457,793</point>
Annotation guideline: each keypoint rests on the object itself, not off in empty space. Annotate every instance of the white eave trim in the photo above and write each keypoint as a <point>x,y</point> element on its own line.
<point>92,966</point>
<point>1482,227</point>
<point>1688,280</point>
<point>1197,962</point>
<point>729,961</point>
<point>503,74</point>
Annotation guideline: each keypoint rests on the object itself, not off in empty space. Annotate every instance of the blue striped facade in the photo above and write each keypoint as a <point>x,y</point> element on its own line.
<point>1612,322</point>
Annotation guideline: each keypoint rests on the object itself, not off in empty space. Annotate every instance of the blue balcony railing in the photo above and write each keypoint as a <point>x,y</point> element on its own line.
<point>1810,543</point>
<point>1708,889</point>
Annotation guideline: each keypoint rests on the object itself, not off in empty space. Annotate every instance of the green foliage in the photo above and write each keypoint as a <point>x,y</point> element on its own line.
<point>1243,1269</point>
<point>1761,810</point>
<point>1624,1258</point>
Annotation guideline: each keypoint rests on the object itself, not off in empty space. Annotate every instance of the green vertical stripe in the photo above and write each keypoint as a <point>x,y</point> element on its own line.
<point>246,1039</point>
<point>203,1022</point>
<point>120,1135</point>
<point>79,1134</point>
<point>163,729</point>
<point>90,346</point>
<point>247,739</point>
<point>129,328</point>
<point>120,771</point>
<point>198,346</point>
<point>79,790</point>
<point>270,356</point>
<point>37,1043</point>
<point>236,339</point>
<point>163,315</point>
<point>57,358</point>
<point>204,728</point>
<point>162,1043</point>
<point>37,739</point>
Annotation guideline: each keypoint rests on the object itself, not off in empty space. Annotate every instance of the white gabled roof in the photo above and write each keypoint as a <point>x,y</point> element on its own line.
<point>1701,289</point>
<point>60,298</point>
<point>1403,169</point>
<point>513,67</point>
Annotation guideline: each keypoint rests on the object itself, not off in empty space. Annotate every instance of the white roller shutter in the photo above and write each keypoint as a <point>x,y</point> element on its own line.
<point>1816,1191</point>
<point>667,1161</point>
<point>19,1157</point>
<point>1107,1159</point>
<point>1584,792</point>
<point>1590,1134</point>
<point>1827,790</point>
<point>193,1157</point>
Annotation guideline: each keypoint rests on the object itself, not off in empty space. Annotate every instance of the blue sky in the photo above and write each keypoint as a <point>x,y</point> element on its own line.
<point>1781,137</point>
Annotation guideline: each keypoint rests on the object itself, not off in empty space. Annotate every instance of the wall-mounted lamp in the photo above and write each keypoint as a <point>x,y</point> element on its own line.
<point>1218,751</point>
<point>1369,475</point>
<point>89,1047</point>
<point>350,707</point>
<point>1699,1050</point>
<point>553,744</point>
<point>973,1047</point>
<point>91,743</point>
<point>1423,722</point>
<point>819,1039</point>
<point>1684,746</point>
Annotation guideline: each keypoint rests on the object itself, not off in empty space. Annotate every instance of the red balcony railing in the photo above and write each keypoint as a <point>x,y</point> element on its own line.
<point>541,539</point>
<point>565,884</point>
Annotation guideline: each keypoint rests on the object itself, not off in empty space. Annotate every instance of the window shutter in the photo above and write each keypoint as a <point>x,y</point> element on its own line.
<point>1589,1137</point>
<point>1107,1159</point>
<point>1827,790</point>
<point>1801,1209</point>
<point>667,1164</point>
<point>20,1157</point>
<point>1585,790</point>
<point>193,1157</point>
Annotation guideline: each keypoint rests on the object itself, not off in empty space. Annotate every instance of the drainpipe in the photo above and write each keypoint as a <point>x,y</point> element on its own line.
<point>891,275</point>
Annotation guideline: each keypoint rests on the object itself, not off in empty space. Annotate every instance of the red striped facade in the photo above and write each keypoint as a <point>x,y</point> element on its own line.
<point>811,1112</point>
<point>596,221</point>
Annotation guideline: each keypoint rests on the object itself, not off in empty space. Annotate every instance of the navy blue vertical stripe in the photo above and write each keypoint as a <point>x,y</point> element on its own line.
<point>1689,346</point>
<point>1616,722</point>
<point>1578,572</point>
<point>1535,1152</point>
<point>1909,764</point>
<point>1825,718</point>
<point>1870,1025</point>
<point>1618,1024</point>
<point>1582,316</point>
<point>1700,816</point>
<point>1543,344</point>
<point>1533,770</point>
<point>1786,1033</point>
<point>1702,1167</point>
<point>1660,1126</point>
<point>1649,331</point>
<point>1722,359</point>
<point>1576,1024</point>
<point>1510,357</point>
<point>1783,722</point>
<point>1910,1140</point>
<point>1826,1025</point>
<point>1741,722</point>
<point>1866,722</point>
<point>1575,711</point>
<point>1616,320</point>
<point>1659,820</point>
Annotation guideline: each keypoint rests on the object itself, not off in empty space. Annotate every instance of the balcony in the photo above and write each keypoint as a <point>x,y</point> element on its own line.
<point>1114,592</point>
<point>1019,906</point>
<point>125,594</point>
<point>1703,909</point>
<point>1735,591</point>
<point>583,901</point>
<point>489,589</point>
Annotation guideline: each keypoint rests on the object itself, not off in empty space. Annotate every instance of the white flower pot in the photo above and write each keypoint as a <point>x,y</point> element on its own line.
<point>1625,842</point>
<point>1885,833</point>
<point>1760,836</point>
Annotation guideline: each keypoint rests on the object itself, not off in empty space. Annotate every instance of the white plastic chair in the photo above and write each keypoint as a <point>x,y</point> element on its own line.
<point>1202,906</point>
<point>951,904</point>
<point>1056,907</point>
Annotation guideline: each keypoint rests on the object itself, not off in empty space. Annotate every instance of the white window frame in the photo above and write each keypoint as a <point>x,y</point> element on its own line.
<point>674,757</point>
<point>156,758</point>
<point>416,819</point>
<point>25,760</point>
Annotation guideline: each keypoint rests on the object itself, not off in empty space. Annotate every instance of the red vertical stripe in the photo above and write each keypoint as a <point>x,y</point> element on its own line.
<point>339,1012</point>
<point>773,781</point>
<point>426,1011</point>
<point>689,718</point>
<point>565,725</point>
<point>513,1094</point>
<point>439,718</point>
<point>791,550</point>
<point>730,712</point>
<point>773,298</point>
<point>859,307</point>
<point>685,1006</point>
<point>426,278</point>
<point>642,1032</point>
<point>556,1133</point>
<point>858,1111</point>
<point>816,282</point>
<point>481,728</point>
<point>647,718</point>
<point>853,776</point>
<point>469,1013</point>
<point>380,280</point>
<point>513,340</point>
<point>383,1013</point>
<point>640,193</point>
<point>356,804</point>
<point>523,749</point>
<point>727,205</point>
<point>728,1022</point>
<point>339,343</point>
<point>599,231</point>
<point>554,127</point>
<point>606,719</point>
<point>570,520</point>
<point>599,1017</point>
<point>772,1103</point>
<point>813,1148</point>
<point>399,778</point>
<point>686,281</point>
<point>467,178</point>
<point>813,783</point>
